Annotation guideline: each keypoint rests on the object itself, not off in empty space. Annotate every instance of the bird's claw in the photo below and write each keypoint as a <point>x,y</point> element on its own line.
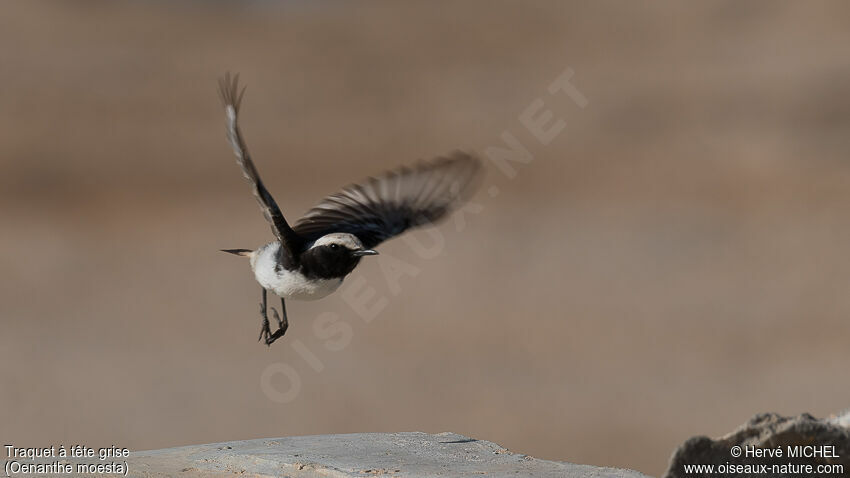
<point>281,329</point>
<point>266,334</point>
<point>265,330</point>
<point>277,317</point>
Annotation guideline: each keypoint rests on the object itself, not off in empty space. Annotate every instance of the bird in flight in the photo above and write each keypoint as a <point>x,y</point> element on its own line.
<point>309,260</point>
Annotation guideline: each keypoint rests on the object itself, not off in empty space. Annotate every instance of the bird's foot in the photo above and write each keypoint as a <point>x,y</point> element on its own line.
<point>282,325</point>
<point>265,330</point>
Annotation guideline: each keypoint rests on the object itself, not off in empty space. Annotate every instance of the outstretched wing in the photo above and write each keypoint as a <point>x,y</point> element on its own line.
<point>386,206</point>
<point>231,96</point>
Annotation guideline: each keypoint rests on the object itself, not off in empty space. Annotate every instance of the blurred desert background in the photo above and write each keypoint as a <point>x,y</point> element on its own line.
<point>675,261</point>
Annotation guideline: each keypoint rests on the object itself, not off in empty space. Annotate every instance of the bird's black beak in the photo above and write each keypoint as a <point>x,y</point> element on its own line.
<point>364,252</point>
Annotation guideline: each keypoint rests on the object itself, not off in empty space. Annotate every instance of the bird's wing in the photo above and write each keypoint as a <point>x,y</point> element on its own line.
<point>385,206</point>
<point>231,96</point>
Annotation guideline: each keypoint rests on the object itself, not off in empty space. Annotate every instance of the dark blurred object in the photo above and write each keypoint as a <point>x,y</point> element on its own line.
<point>768,431</point>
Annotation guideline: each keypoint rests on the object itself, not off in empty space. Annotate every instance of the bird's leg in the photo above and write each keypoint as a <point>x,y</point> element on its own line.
<point>282,324</point>
<point>265,331</point>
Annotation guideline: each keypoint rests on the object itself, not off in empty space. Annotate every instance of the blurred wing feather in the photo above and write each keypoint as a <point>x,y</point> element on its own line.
<point>231,96</point>
<point>385,206</point>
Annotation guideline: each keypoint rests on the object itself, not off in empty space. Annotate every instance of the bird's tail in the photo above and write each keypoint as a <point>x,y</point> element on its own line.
<point>239,252</point>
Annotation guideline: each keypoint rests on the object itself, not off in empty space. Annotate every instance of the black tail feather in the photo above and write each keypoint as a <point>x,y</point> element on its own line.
<point>238,252</point>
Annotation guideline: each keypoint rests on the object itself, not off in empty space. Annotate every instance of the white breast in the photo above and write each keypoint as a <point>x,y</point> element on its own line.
<point>287,284</point>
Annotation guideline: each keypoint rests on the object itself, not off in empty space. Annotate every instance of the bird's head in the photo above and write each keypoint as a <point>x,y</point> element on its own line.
<point>334,255</point>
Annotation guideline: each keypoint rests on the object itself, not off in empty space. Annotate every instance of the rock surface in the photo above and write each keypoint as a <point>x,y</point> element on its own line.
<point>769,431</point>
<point>411,454</point>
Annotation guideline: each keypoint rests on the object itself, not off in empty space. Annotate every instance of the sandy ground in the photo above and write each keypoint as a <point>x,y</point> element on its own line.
<point>673,262</point>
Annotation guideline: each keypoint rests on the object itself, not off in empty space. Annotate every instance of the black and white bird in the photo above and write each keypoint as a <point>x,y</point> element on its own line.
<point>309,260</point>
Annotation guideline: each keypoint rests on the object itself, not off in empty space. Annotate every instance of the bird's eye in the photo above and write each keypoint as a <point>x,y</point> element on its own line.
<point>334,246</point>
